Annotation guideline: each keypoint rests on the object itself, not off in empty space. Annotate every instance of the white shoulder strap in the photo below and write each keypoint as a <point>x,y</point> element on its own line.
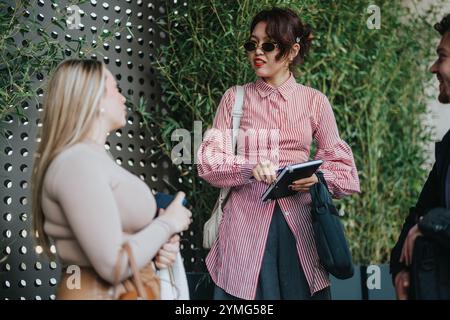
<point>237,114</point>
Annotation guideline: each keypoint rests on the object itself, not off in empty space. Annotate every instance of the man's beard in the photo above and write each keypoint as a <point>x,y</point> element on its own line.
<point>443,97</point>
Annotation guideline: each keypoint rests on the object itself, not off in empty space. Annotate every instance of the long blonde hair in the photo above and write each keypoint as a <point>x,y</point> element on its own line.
<point>70,107</point>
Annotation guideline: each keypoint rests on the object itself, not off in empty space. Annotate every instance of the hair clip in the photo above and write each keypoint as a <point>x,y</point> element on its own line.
<point>297,39</point>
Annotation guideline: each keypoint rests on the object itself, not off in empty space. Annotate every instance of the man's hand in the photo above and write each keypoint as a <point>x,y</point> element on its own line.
<point>408,246</point>
<point>402,285</point>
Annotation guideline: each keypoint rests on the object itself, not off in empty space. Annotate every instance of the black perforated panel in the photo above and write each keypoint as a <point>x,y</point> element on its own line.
<point>26,274</point>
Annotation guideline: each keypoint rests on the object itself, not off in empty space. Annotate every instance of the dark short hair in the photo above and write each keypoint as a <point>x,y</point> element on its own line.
<point>443,26</point>
<point>286,28</point>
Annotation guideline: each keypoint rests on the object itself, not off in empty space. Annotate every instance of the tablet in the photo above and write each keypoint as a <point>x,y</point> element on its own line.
<point>280,187</point>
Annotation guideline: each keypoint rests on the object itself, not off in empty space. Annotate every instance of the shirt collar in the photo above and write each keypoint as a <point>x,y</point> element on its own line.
<point>264,89</point>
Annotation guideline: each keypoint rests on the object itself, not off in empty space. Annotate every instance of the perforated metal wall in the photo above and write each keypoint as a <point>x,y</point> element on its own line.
<point>26,274</point>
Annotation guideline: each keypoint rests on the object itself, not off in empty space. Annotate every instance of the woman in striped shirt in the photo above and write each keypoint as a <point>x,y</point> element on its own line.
<point>266,250</point>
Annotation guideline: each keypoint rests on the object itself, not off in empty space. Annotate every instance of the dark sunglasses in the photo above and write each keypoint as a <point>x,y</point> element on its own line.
<point>266,46</point>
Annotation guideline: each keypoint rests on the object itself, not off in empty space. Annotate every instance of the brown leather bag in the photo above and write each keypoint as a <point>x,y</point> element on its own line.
<point>143,285</point>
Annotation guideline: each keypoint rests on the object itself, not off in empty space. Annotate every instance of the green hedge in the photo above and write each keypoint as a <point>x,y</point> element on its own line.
<point>374,78</point>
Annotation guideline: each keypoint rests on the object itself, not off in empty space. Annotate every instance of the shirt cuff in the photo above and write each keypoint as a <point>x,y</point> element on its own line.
<point>246,171</point>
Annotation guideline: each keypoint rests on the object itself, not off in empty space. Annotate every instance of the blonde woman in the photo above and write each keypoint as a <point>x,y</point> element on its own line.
<point>82,199</point>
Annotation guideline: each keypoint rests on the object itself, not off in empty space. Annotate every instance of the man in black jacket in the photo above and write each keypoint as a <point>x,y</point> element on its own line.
<point>435,195</point>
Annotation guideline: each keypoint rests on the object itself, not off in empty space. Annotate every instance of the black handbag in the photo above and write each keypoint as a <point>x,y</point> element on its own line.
<point>430,268</point>
<point>331,244</point>
<point>430,271</point>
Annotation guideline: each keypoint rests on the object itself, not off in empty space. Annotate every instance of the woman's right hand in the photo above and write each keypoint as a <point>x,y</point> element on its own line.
<point>179,215</point>
<point>265,171</point>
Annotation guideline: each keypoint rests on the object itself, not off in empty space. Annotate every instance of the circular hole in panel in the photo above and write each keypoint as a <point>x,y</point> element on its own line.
<point>7,200</point>
<point>7,183</point>
<point>38,249</point>
<point>7,233</point>
<point>9,134</point>
<point>23,233</point>
<point>24,152</point>
<point>24,201</point>
<point>24,120</point>
<point>9,118</point>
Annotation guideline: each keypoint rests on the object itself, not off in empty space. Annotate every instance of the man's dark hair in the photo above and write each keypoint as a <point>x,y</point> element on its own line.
<point>443,26</point>
<point>286,28</point>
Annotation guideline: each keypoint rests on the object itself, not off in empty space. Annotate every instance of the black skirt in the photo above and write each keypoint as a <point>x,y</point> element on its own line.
<point>281,276</point>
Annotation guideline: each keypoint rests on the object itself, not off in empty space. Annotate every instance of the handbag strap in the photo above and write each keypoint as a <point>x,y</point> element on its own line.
<point>322,180</point>
<point>134,270</point>
<point>236,114</point>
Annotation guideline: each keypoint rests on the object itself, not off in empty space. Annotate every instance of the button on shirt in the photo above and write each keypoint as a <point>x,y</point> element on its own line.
<point>298,114</point>
<point>447,188</point>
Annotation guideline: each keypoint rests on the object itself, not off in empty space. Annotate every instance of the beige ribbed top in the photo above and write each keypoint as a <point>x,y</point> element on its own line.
<point>92,205</point>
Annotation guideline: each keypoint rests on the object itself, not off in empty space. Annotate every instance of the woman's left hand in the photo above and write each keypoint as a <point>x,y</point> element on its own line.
<point>304,184</point>
<point>167,254</point>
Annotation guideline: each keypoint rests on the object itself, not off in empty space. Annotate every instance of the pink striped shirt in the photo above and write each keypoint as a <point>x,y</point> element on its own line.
<point>301,114</point>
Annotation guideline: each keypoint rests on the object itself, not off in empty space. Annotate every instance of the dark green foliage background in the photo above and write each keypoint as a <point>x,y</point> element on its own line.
<point>375,80</point>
